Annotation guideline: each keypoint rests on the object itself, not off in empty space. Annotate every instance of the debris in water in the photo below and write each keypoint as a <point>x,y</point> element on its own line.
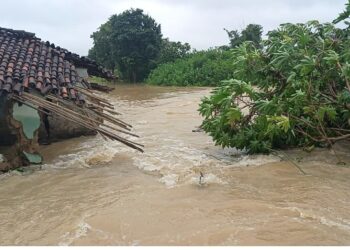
<point>197,130</point>
<point>201,176</point>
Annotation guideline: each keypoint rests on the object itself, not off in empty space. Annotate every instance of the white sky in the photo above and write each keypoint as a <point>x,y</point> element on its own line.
<point>69,23</point>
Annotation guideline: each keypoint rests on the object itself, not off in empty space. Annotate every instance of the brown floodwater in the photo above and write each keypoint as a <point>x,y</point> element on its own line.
<point>93,192</point>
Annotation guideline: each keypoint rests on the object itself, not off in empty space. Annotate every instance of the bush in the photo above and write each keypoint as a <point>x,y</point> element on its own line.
<point>294,91</point>
<point>204,68</point>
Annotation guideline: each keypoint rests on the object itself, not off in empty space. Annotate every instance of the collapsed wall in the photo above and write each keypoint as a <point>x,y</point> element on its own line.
<point>19,135</point>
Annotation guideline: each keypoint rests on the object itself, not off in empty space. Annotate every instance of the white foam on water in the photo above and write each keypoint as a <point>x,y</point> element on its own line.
<point>172,160</point>
<point>81,231</point>
<point>178,163</point>
<point>207,179</point>
<point>309,214</point>
<point>169,180</point>
<point>90,153</point>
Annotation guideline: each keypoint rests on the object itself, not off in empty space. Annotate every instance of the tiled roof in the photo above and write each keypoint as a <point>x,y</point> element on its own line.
<point>44,77</point>
<point>27,62</point>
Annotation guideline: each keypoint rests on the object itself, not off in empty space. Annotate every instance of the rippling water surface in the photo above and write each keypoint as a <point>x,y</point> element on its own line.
<point>92,192</point>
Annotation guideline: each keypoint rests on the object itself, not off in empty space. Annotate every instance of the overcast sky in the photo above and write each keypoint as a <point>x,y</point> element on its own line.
<point>69,23</point>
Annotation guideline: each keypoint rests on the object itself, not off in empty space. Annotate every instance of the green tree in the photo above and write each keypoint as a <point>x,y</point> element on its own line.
<point>251,33</point>
<point>293,92</point>
<point>130,42</point>
<point>344,15</point>
<point>170,51</point>
<point>102,49</point>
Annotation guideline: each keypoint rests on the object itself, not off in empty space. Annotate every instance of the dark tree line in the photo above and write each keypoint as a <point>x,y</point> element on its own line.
<point>132,44</point>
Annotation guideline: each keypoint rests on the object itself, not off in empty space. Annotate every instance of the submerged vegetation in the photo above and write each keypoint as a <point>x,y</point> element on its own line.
<point>293,91</point>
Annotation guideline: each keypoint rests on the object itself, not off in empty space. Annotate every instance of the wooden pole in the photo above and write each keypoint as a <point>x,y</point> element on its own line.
<point>78,118</point>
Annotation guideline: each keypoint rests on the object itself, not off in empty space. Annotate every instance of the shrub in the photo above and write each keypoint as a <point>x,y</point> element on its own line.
<point>294,91</point>
<point>204,68</point>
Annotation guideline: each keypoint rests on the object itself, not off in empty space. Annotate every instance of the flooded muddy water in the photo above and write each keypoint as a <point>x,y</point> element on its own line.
<point>92,192</point>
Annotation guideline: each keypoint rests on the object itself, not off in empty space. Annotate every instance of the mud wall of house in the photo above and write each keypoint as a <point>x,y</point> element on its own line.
<point>7,136</point>
<point>21,128</point>
<point>61,129</point>
<point>19,135</point>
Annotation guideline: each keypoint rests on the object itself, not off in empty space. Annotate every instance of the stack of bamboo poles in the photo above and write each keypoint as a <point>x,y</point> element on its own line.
<point>91,116</point>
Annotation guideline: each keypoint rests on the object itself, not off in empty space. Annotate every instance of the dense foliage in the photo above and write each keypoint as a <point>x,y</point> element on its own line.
<point>170,51</point>
<point>294,91</point>
<point>251,33</point>
<point>200,68</point>
<point>204,68</point>
<point>130,42</point>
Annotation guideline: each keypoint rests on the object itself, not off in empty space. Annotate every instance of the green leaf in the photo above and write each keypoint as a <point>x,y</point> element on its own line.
<point>281,121</point>
<point>233,115</point>
<point>291,77</point>
<point>329,111</point>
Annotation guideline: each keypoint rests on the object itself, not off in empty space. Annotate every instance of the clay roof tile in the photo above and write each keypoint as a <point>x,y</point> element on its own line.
<point>37,64</point>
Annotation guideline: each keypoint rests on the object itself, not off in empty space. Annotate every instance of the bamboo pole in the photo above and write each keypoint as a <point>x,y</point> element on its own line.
<point>81,122</point>
<point>102,115</point>
<point>98,116</point>
<point>92,95</point>
<point>29,105</point>
<point>91,105</point>
<point>79,119</point>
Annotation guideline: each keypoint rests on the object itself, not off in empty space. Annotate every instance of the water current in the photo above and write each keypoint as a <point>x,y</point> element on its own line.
<point>93,192</point>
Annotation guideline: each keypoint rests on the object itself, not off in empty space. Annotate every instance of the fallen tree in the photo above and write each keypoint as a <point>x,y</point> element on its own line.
<point>294,91</point>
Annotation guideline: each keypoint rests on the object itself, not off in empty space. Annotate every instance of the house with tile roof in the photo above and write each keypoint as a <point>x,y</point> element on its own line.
<point>40,86</point>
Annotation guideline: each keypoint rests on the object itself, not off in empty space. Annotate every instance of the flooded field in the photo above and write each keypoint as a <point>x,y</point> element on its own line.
<point>92,192</point>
